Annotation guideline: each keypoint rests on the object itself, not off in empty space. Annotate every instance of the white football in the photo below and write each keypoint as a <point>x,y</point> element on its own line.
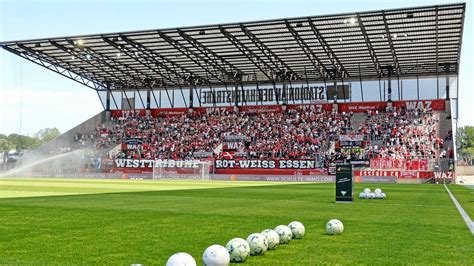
<point>285,234</point>
<point>367,190</point>
<point>297,229</point>
<point>181,259</point>
<point>334,227</point>
<point>216,255</point>
<point>371,195</point>
<point>239,250</point>
<point>377,191</point>
<point>258,244</point>
<point>273,239</point>
<point>384,195</point>
<point>362,195</point>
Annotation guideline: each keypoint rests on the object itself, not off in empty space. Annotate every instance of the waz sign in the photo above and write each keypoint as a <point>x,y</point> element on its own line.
<point>290,94</point>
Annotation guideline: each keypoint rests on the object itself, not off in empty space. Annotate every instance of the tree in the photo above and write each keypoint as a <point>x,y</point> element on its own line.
<point>48,134</point>
<point>5,145</point>
<point>465,141</point>
<point>21,142</point>
<point>465,137</point>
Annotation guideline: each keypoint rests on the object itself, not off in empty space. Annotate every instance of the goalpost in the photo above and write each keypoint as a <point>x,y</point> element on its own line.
<point>187,169</point>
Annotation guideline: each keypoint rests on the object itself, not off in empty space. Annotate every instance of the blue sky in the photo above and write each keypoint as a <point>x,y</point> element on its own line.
<point>49,100</point>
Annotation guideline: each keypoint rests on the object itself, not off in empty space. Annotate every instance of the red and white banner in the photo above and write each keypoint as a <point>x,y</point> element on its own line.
<point>132,144</point>
<point>414,164</point>
<point>127,113</point>
<point>168,111</point>
<point>443,175</point>
<point>416,174</point>
<point>376,173</point>
<point>361,107</point>
<point>261,109</point>
<point>313,107</point>
<point>146,166</point>
<point>399,174</point>
<point>257,171</point>
<point>268,167</point>
<point>208,110</point>
<point>427,105</point>
<point>265,164</point>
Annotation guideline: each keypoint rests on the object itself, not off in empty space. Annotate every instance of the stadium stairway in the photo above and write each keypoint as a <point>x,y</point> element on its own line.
<point>445,124</point>
<point>357,120</point>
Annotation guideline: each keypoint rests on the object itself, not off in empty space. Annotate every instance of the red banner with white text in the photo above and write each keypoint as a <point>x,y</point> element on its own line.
<point>414,164</point>
<point>425,105</point>
<point>355,107</point>
<point>361,107</point>
<point>399,174</point>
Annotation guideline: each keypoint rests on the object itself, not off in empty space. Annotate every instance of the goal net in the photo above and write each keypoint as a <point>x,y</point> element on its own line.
<point>187,169</point>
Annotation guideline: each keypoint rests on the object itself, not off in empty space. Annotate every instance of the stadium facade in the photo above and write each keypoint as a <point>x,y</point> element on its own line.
<point>355,70</point>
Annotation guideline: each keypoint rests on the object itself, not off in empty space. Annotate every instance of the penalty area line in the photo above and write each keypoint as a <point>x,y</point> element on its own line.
<point>463,213</point>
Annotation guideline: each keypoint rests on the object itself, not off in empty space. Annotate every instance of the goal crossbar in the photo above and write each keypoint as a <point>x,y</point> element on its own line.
<point>181,169</point>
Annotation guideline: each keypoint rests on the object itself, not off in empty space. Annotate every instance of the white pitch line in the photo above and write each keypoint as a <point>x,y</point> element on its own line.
<point>463,213</point>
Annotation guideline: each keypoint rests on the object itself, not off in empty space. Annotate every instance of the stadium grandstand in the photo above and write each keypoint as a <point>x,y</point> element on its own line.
<point>284,97</point>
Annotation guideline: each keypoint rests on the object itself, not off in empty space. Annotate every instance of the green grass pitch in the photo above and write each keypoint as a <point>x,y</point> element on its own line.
<point>120,222</point>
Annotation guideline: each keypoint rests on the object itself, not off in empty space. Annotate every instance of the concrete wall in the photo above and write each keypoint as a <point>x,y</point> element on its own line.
<point>67,139</point>
<point>465,175</point>
<point>465,170</point>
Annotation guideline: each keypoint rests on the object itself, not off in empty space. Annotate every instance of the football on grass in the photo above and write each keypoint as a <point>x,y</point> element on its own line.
<point>216,255</point>
<point>273,239</point>
<point>334,227</point>
<point>239,250</point>
<point>181,259</point>
<point>258,244</point>
<point>297,229</point>
<point>285,234</point>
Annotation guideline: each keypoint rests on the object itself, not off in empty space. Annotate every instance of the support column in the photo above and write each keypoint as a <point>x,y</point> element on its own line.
<point>236,93</point>
<point>107,99</point>
<point>448,102</point>
<point>389,88</point>
<point>447,87</point>
<point>335,107</point>
<point>148,97</point>
<point>191,97</point>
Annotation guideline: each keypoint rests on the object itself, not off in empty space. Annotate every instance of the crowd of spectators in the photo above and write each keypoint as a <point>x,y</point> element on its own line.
<point>292,134</point>
<point>402,134</point>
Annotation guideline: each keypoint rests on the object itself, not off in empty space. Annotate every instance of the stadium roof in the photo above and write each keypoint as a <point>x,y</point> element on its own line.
<point>407,42</point>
